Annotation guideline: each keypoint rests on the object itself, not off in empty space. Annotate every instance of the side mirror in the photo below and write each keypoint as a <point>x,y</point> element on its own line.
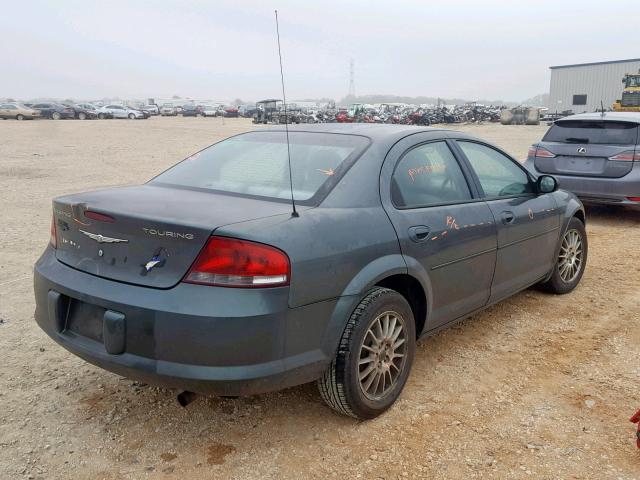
<point>547,184</point>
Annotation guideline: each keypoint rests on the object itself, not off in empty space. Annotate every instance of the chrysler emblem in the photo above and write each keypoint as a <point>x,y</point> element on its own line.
<point>581,150</point>
<point>102,239</point>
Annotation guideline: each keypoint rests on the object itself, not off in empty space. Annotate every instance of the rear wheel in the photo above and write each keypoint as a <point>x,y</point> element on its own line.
<point>101,116</point>
<point>82,116</point>
<point>132,116</point>
<point>19,117</point>
<point>374,357</point>
<point>571,261</point>
<point>56,116</point>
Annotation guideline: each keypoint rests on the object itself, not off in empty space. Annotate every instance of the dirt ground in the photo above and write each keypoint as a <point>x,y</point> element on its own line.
<point>538,386</point>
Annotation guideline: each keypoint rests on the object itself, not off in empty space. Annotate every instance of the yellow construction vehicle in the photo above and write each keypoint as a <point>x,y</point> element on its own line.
<point>630,94</point>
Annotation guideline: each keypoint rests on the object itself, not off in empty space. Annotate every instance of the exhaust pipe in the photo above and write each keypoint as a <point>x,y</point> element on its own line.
<point>185,398</point>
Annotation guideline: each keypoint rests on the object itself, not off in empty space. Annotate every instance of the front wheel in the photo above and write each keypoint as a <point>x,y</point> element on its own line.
<point>56,116</point>
<point>82,116</point>
<point>374,357</point>
<point>571,261</point>
<point>19,117</point>
<point>132,116</point>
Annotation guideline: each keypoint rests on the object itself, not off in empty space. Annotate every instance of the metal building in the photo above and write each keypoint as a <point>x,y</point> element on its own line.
<point>582,87</point>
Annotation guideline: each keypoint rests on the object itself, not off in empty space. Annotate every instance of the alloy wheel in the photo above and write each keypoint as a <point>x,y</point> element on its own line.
<point>571,255</point>
<point>382,355</point>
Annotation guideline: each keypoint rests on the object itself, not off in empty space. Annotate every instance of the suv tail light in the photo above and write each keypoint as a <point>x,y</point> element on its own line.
<point>53,239</point>
<point>628,156</point>
<point>230,262</point>
<point>540,152</point>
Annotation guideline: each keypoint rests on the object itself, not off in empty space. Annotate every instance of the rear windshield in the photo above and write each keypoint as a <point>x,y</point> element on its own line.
<point>596,132</point>
<point>255,164</point>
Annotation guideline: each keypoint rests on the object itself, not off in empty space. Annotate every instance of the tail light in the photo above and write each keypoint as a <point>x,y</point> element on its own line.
<point>541,152</point>
<point>230,262</point>
<point>53,240</point>
<point>634,199</point>
<point>68,110</point>
<point>628,156</point>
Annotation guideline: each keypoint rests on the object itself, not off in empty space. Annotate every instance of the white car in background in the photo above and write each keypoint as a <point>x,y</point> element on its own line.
<point>168,110</point>
<point>209,111</point>
<point>120,111</point>
<point>151,109</point>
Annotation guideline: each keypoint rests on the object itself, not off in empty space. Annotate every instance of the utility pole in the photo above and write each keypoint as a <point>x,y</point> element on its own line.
<point>352,80</point>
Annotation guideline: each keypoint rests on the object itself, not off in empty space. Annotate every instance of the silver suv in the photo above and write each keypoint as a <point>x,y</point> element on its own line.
<point>594,155</point>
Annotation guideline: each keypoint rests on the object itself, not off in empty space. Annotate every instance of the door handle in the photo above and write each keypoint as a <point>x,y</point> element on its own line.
<point>507,217</point>
<point>419,233</point>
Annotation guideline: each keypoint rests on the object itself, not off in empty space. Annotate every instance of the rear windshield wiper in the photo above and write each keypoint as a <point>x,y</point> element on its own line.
<point>576,140</point>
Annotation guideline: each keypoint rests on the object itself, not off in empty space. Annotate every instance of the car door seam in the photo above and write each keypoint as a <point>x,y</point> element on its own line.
<point>457,260</point>
<point>520,240</point>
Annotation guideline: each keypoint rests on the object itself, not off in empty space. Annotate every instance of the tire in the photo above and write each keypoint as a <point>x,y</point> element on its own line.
<point>56,116</point>
<point>566,274</point>
<point>82,116</point>
<point>101,116</point>
<point>132,116</point>
<point>341,386</point>
<point>19,117</point>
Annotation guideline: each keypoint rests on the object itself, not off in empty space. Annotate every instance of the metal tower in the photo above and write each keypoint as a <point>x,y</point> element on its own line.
<point>352,82</point>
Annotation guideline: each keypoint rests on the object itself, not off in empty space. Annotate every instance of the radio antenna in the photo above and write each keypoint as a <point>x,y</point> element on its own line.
<point>294,213</point>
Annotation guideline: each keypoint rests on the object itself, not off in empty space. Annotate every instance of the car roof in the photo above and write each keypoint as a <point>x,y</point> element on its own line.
<point>610,116</point>
<point>378,132</point>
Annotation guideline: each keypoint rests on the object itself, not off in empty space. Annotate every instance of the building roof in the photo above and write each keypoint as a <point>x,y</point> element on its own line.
<point>596,63</point>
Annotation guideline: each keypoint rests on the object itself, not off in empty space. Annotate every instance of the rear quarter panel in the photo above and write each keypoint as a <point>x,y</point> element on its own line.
<point>328,248</point>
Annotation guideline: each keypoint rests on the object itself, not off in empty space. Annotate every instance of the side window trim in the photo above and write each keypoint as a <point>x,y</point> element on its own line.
<point>474,175</point>
<point>473,191</point>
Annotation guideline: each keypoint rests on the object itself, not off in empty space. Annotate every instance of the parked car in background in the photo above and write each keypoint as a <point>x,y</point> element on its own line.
<point>168,110</point>
<point>247,111</point>
<point>94,109</point>
<point>190,111</point>
<point>231,112</point>
<point>151,109</point>
<point>209,111</point>
<point>82,113</point>
<point>224,290</point>
<point>54,111</point>
<point>594,155</point>
<point>121,111</point>
<point>18,111</point>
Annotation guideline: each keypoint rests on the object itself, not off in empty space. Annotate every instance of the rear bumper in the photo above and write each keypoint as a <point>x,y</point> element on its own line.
<point>208,340</point>
<point>599,190</point>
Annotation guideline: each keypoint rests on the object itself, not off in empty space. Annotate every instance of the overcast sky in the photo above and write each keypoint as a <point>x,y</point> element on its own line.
<point>227,49</point>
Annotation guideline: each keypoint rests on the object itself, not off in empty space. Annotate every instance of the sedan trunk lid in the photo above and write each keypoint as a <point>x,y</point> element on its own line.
<point>146,235</point>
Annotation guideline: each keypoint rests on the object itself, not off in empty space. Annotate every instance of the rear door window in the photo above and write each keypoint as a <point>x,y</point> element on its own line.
<point>428,175</point>
<point>593,132</point>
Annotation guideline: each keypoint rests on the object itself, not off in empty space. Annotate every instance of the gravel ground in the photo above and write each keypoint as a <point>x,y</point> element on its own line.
<point>537,386</point>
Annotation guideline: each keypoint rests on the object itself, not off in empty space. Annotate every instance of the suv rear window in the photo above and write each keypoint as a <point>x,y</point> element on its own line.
<point>593,131</point>
<point>255,164</point>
